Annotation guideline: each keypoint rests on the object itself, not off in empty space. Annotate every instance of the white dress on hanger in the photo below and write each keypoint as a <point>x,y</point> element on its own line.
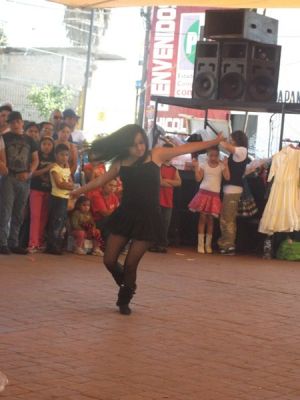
<point>282,211</point>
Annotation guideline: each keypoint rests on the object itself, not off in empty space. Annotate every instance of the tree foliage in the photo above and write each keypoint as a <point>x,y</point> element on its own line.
<point>48,98</point>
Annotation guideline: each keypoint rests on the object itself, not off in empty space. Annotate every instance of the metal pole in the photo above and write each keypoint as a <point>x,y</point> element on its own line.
<point>147,16</point>
<point>205,118</point>
<point>282,125</point>
<point>246,121</point>
<point>87,68</point>
<point>62,71</point>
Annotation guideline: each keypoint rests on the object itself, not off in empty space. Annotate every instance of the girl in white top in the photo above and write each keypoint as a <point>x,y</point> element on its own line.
<point>207,201</point>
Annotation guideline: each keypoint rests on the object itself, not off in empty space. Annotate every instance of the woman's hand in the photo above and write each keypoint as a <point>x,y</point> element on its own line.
<point>3,169</point>
<point>225,162</point>
<point>195,163</point>
<point>75,193</point>
<point>220,137</point>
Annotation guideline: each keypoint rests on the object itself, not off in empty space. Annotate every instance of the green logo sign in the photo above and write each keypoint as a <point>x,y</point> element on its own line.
<point>190,41</point>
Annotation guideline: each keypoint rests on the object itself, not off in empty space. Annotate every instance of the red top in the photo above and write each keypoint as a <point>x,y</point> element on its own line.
<point>98,169</point>
<point>166,193</point>
<point>100,203</point>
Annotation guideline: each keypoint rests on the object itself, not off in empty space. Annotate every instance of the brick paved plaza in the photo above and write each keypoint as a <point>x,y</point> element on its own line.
<point>203,328</point>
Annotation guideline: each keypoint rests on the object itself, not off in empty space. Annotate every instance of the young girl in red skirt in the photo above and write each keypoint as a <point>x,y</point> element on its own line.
<point>207,201</point>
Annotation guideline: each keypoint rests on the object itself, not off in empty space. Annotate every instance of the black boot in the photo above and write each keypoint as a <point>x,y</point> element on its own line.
<point>118,274</point>
<point>125,295</point>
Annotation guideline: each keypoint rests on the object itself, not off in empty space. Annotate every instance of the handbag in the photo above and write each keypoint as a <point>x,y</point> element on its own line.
<point>246,207</point>
<point>289,250</point>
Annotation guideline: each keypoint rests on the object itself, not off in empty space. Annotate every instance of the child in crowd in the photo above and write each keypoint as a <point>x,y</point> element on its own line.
<point>92,170</point>
<point>5,110</point>
<point>46,129</point>
<point>83,227</point>
<point>39,195</point>
<point>207,201</point>
<point>32,130</point>
<point>55,119</point>
<point>21,158</point>
<point>64,133</point>
<point>169,179</point>
<point>104,201</point>
<point>237,162</point>
<point>62,184</point>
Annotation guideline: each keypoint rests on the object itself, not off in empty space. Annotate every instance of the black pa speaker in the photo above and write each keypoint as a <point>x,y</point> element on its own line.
<point>263,72</point>
<point>240,24</point>
<point>249,71</point>
<point>206,70</point>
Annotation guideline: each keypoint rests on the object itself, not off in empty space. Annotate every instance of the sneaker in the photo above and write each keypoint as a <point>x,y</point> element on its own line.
<point>228,252</point>
<point>97,252</point>
<point>53,250</point>
<point>41,249</point>
<point>153,249</point>
<point>79,251</point>
<point>201,249</point>
<point>32,250</point>
<point>208,249</point>
<point>161,249</point>
<point>19,250</point>
<point>4,250</point>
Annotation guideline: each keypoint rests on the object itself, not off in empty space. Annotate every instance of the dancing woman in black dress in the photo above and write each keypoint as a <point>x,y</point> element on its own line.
<point>138,218</point>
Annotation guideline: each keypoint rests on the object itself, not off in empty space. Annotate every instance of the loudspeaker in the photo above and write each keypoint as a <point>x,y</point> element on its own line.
<point>240,24</point>
<point>206,70</point>
<point>249,71</point>
<point>263,72</point>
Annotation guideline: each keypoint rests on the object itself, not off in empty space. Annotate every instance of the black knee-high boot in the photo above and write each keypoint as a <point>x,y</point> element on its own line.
<point>124,296</point>
<point>118,274</point>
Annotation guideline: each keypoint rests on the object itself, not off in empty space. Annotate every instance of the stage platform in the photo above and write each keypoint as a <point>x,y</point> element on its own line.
<point>202,328</point>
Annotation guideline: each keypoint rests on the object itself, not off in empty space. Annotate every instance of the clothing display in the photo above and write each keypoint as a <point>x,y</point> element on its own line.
<point>282,211</point>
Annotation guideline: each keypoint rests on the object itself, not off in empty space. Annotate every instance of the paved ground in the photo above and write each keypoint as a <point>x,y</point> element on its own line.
<point>203,327</point>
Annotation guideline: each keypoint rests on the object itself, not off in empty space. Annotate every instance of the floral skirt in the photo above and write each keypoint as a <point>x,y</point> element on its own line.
<point>206,202</point>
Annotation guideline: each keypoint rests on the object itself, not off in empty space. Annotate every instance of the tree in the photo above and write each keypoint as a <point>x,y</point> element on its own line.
<point>48,98</point>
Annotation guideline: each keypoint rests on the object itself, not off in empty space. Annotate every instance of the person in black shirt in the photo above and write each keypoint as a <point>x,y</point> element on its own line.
<point>40,189</point>
<point>138,218</point>
<point>21,161</point>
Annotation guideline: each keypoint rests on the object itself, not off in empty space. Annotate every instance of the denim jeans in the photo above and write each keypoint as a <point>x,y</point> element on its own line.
<point>14,196</point>
<point>56,220</point>
<point>166,214</point>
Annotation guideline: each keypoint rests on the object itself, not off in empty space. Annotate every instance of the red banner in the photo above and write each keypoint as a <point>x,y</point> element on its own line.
<point>174,34</point>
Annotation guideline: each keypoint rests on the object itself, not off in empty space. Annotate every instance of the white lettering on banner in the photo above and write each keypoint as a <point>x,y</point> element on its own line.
<point>172,124</point>
<point>166,13</point>
<point>191,40</point>
<point>163,50</point>
<point>288,96</point>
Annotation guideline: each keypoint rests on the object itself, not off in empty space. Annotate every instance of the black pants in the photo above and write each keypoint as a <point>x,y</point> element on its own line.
<point>56,220</point>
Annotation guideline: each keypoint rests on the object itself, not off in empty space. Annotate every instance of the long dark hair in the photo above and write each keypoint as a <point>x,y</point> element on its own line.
<point>116,146</point>
<point>80,201</point>
<point>240,138</point>
<point>51,156</point>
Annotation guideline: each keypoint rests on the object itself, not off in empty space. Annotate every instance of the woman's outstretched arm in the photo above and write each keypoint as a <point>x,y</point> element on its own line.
<point>161,154</point>
<point>101,180</point>
<point>227,146</point>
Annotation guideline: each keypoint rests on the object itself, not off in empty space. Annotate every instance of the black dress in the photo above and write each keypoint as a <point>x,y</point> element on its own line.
<point>138,217</point>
